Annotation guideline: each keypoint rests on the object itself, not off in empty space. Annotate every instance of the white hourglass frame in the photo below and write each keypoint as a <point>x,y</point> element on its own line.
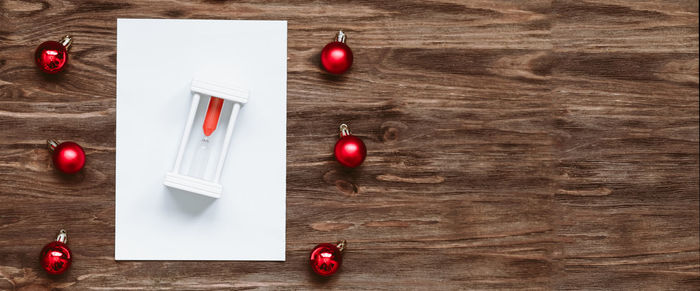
<point>178,177</point>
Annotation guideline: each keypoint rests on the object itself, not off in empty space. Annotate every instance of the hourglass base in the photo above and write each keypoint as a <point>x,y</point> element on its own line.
<point>194,185</point>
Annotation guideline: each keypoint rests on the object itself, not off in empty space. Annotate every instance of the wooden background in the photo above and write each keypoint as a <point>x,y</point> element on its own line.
<point>512,144</point>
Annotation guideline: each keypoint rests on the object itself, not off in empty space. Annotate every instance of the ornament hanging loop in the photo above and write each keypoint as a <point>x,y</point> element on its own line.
<point>52,143</point>
<point>344,130</point>
<point>66,41</point>
<point>340,37</point>
<point>62,236</point>
<point>341,245</point>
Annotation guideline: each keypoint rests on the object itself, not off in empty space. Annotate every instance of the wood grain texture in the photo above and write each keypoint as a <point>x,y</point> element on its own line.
<point>512,144</point>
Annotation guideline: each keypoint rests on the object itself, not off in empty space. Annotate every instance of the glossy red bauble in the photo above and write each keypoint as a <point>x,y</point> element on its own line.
<point>350,151</point>
<point>55,257</point>
<point>68,157</point>
<point>52,56</point>
<point>326,258</point>
<point>336,57</point>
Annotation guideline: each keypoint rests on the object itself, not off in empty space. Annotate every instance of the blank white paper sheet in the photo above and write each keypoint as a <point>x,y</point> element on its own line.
<point>156,60</point>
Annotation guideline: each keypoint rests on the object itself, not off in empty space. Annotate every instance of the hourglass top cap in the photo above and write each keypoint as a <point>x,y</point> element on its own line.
<point>217,88</point>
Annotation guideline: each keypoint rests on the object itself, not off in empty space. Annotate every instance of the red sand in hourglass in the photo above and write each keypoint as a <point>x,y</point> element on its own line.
<point>212,118</point>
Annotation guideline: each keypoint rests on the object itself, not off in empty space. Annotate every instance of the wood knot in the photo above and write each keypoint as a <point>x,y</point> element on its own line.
<point>391,134</point>
<point>391,130</point>
<point>346,187</point>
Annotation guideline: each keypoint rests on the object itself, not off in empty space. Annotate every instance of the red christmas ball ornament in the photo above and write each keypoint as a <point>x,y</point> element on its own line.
<point>326,258</point>
<point>68,157</point>
<point>336,57</point>
<point>55,257</point>
<point>350,151</point>
<point>51,56</point>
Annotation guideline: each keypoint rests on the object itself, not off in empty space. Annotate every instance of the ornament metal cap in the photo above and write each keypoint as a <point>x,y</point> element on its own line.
<point>341,245</point>
<point>52,143</point>
<point>344,130</point>
<point>340,36</point>
<point>62,236</point>
<point>66,41</point>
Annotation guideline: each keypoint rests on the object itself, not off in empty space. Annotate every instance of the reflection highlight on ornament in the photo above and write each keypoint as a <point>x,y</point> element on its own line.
<point>337,54</point>
<point>69,154</point>
<point>350,147</point>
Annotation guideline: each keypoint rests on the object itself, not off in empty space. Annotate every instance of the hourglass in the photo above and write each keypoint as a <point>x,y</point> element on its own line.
<point>206,146</point>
